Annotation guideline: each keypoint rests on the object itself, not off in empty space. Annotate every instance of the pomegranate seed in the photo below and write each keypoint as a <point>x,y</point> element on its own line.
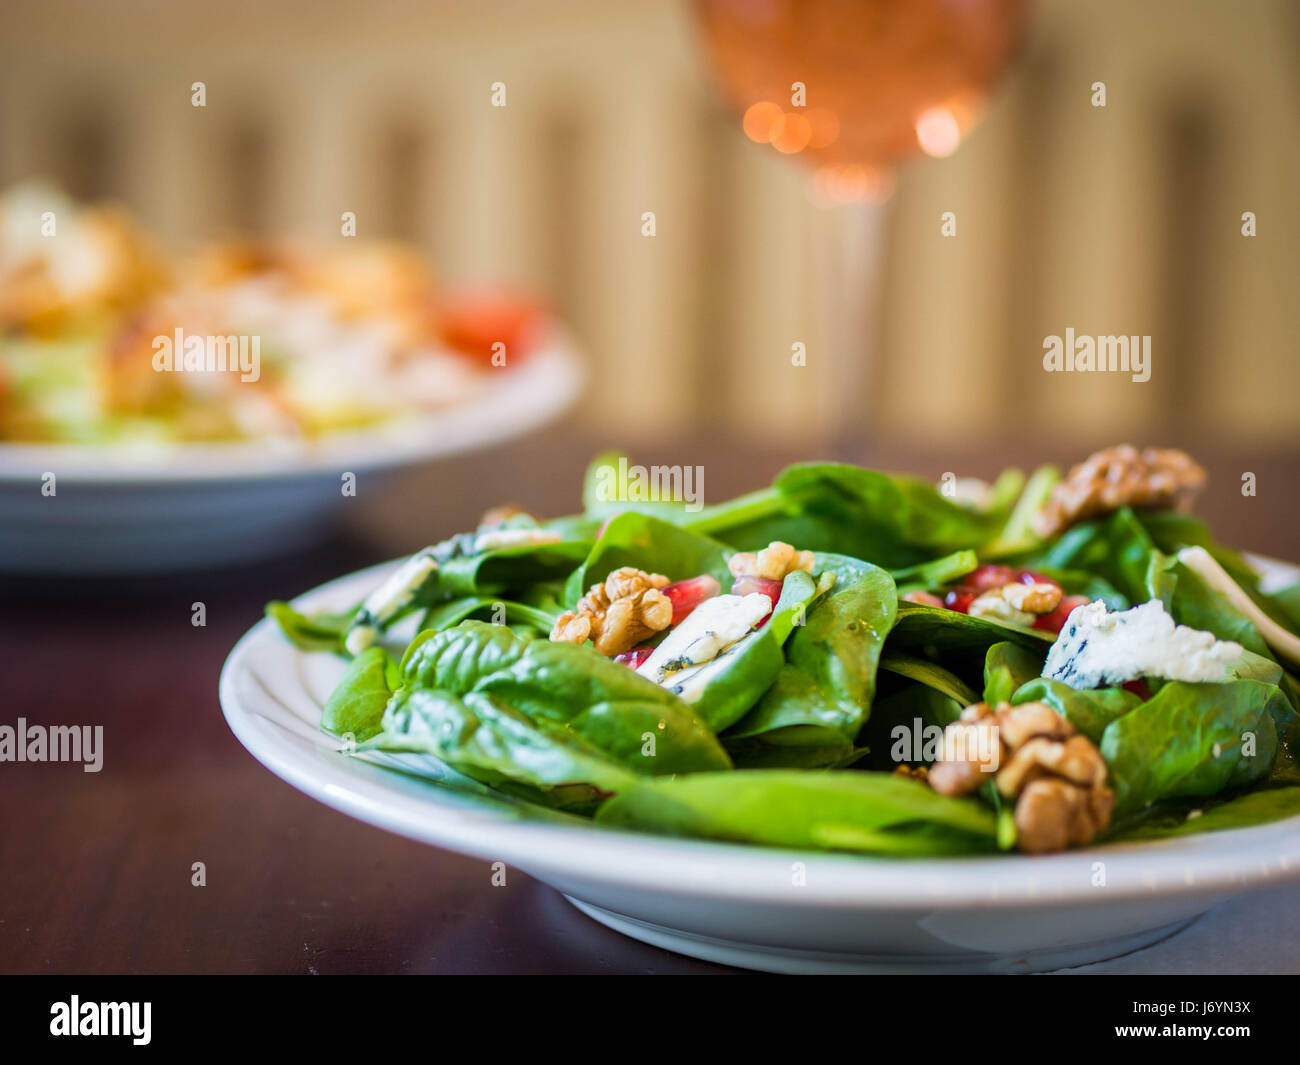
<point>1138,687</point>
<point>688,594</point>
<point>750,585</point>
<point>1055,621</point>
<point>1028,576</point>
<point>634,658</point>
<point>960,599</point>
<point>988,577</point>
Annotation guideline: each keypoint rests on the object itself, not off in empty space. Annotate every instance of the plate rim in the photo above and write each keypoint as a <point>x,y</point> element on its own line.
<point>1219,864</point>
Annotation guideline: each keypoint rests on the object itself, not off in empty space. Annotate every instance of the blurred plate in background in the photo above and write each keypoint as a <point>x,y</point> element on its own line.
<point>189,506</point>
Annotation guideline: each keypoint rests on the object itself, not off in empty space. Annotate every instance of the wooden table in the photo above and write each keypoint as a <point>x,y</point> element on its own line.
<point>95,868</point>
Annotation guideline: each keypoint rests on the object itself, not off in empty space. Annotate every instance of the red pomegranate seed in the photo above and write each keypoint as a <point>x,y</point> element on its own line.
<point>959,599</point>
<point>1055,621</point>
<point>750,585</point>
<point>688,594</point>
<point>634,658</point>
<point>1138,687</point>
<point>987,577</point>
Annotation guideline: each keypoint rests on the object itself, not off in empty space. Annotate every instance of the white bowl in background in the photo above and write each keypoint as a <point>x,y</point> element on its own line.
<point>188,506</point>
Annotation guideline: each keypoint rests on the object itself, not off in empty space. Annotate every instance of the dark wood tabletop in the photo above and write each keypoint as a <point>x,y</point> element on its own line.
<point>95,868</point>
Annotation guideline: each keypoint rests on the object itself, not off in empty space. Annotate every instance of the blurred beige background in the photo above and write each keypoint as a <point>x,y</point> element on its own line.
<point>1119,220</point>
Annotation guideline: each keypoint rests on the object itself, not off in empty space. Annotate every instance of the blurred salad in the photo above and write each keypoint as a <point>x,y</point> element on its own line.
<point>845,660</point>
<point>105,339</point>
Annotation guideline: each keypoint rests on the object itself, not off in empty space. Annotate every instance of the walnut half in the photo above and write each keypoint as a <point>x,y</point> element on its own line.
<point>1056,775</point>
<point>617,614</point>
<point>1120,476</point>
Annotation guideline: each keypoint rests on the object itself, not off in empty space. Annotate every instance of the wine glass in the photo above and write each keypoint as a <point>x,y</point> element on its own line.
<point>854,87</point>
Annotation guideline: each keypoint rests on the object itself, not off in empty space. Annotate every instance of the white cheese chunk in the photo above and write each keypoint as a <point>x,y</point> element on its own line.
<point>386,600</point>
<point>496,539</point>
<point>1099,648</point>
<point>708,630</point>
<point>690,682</point>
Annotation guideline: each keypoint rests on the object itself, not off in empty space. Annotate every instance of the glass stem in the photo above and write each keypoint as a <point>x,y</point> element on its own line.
<point>848,254</point>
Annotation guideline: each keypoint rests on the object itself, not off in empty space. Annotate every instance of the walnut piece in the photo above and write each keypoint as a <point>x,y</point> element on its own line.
<point>1017,603</point>
<point>773,563</point>
<point>617,614</point>
<point>1056,775</point>
<point>994,606</point>
<point>1037,598</point>
<point>1120,476</point>
<point>1052,815</point>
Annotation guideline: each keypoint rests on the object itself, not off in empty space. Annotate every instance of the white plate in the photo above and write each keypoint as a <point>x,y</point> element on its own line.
<point>756,907</point>
<point>178,506</point>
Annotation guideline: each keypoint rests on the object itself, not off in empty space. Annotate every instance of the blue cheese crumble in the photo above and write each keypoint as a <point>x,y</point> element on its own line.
<point>707,631</point>
<point>393,595</point>
<point>1098,648</point>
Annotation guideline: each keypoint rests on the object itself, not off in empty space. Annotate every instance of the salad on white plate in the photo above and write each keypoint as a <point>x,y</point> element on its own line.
<point>845,661</point>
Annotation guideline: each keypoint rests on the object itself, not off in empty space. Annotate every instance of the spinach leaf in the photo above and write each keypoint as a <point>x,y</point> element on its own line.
<point>609,478</point>
<point>1285,606</point>
<point>891,521</point>
<point>754,754</point>
<point>825,688</point>
<point>829,810</point>
<point>923,712</point>
<point>356,705</point>
<point>1253,808</point>
<point>937,571</point>
<point>1007,666</point>
<point>503,570</point>
<point>486,607</point>
<point>310,632</point>
<point>1088,710</point>
<point>1116,548</point>
<point>631,719</point>
<point>1191,601</point>
<point>958,641</point>
<point>649,544</point>
<point>485,738</point>
<point>931,675</point>
<point>1171,530</point>
<point>1193,741</point>
<point>1017,533</point>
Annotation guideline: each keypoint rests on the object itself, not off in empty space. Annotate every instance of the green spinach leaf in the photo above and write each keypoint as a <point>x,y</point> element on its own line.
<point>823,693</point>
<point>311,632</point>
<point>356,705</point>
<point>631,719</point>
<point>1088,710</point>
<point>651,544</point>
<point>830,810</point>
<point>1008,666</point>
<point>1193,741</point>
